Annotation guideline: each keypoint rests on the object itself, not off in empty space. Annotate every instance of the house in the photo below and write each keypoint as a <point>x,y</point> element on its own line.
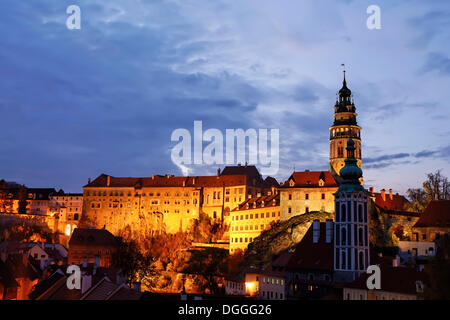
<point>87,245</point>
<point>397,283</point>
<point>97,283</point>
<point>310,269</point>
<point>307,191</point>
<point>434,221</point>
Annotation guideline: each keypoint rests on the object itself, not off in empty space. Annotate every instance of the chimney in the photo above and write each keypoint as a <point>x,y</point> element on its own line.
<point>390,195</point>
<point>193,180</point>
<point>371,189</point>
<point>239,164</point>
<point>383,194</point>
<point>168,176</point>
<point>218,171</point>
<point>108,181</point>
<point>329,230</point>
<point>246,163</point>
<point>89,180</point>
<point>316,230</point>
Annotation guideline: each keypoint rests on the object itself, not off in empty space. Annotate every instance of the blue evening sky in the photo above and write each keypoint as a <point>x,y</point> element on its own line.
<point>106,98</point>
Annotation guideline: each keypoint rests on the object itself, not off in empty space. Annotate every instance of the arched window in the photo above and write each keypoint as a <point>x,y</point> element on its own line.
<point>75,216</point>
<point>343,213</point>
<point>360,213</point>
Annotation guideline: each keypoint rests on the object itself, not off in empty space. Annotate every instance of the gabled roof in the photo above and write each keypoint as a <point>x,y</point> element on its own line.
<point>310,179</point>
<point>89,237</point>
<point>250,171</point>
<point>397,203</point>
<point>107,290</point>
<point>394,279</point>
<point>436,214</point>
<point>313,256</point>
<point>257,202</point>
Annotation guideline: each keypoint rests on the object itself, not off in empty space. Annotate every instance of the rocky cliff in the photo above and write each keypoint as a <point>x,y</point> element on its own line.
<point>281,236</point>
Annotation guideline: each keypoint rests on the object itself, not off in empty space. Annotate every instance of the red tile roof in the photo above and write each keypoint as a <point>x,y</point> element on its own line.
<point>397,203</point>
<point>268,202</point>
<point>170,181</point>
<point>311,179</point>
<point>313,256</point>
<point>92,237</point>
<point>394,279</point>
<point>436,214</point>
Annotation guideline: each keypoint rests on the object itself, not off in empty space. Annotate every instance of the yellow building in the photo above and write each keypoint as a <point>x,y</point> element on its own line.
<point>307,191</point>
<point>167,203</point>
<point>251,218</point>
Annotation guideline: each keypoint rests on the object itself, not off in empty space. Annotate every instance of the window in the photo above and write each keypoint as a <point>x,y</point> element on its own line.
<point>307,196</point>
<point>323,196</point>
<point>424,236</point>
<point>290,196</point>
<point>289,210</point>
<point>307,209</point>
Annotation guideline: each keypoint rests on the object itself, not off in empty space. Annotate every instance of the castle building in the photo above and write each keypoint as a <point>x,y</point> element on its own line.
<point>68,208</point>
<point>343,128</point>
<point>168,203</point>
<point>307,191</point>
<point>351,227</point>
<point>251,218</point>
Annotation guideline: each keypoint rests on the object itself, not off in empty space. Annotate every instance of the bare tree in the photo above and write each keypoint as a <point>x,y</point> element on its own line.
<point>436,187</point>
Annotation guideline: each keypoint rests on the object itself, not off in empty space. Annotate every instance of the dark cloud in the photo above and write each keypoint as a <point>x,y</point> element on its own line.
<point>442,153</point>
<point>386,157</point>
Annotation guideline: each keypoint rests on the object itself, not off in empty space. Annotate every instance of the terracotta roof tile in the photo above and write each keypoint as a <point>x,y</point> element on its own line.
<point>311,179</point>
<point>436,214</point>
<point>397,203</point>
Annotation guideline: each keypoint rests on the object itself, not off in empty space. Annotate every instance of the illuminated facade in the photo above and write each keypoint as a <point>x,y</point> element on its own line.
<point>343,128</point>
<point>307,191</point>
<point>251,218</point>
<point>168,203</point>
<point>68,208</point>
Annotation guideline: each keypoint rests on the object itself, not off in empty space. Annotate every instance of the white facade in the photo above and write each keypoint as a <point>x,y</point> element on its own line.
<point>351,235</point>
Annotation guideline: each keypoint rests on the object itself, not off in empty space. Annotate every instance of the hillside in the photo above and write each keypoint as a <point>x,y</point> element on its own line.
<point>280,237</point>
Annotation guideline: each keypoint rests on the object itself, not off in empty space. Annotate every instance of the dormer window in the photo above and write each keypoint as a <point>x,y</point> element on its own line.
<point>291,183</point>
<point>321,183</point>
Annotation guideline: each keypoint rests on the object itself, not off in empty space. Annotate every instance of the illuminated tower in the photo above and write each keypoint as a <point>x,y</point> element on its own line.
<point>351,222</point>
<point>343,128</point>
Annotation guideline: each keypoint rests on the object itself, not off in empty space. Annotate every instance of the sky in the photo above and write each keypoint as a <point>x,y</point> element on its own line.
<point>106,98</point>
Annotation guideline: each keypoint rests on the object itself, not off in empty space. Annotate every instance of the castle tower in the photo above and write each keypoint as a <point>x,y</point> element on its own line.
<point>351,227</point>
<point>343,128</point>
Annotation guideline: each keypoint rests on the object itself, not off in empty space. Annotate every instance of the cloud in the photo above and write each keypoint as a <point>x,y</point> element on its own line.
<point>386,157</point>
<point>437,62</point>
